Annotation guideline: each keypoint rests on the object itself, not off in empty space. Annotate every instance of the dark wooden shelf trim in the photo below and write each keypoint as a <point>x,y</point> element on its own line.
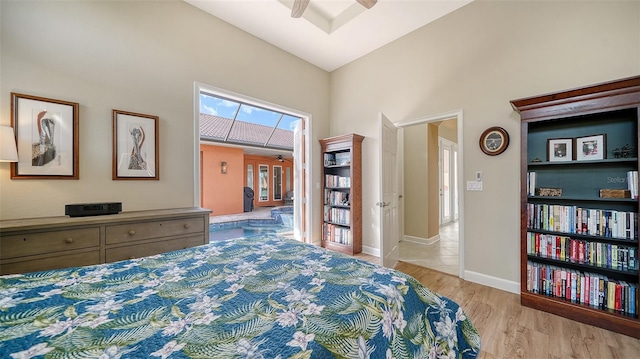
<point>338,224</point>
<point>581,199</point>
<point>583,267</point>
<point>337,206</point>
<point>608,161</point>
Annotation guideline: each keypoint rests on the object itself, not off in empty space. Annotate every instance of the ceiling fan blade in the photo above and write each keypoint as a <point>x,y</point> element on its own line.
<point>298,8</point>
<point>367,3</point>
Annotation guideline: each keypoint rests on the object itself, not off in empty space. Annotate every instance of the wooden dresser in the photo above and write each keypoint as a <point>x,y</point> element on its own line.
<point>36,244</point>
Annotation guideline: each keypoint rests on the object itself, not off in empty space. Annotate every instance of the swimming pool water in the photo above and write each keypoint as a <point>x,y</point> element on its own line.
<point>281,221</point>
<point>245,231</point>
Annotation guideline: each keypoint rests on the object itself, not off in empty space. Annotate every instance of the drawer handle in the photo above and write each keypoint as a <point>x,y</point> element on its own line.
<point>132,257</point>
<point>186,226</point>
<point>68,240</point>
<point>132,232</point>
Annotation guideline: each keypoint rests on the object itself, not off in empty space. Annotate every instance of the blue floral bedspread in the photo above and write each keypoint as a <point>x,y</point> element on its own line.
<point>261,297</point>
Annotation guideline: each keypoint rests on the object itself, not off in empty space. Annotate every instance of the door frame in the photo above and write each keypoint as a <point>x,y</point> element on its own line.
<point>303,202</point>
<point>453,115</point>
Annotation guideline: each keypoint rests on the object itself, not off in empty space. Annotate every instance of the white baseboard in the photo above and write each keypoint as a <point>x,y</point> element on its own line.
<point>421,240</point>
<point>475,277</point>
<point>371,251</point>
<point>494,282</point>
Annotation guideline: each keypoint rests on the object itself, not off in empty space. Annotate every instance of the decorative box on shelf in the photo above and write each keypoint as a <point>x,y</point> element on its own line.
<point>615,193</point>
<point>549,192</point>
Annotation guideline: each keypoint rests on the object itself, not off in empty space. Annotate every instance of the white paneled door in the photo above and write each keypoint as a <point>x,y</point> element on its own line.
<point>388,202</point>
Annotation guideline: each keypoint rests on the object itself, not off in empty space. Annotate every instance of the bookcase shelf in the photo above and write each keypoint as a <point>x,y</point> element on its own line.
<point>342,193</point>
<point>576,199</point>
<point>599,288</point>
<point>604,162</point>
<point>629,274</point>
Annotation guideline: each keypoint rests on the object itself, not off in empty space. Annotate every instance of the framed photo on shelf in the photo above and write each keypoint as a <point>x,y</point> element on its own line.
<point>560,149</point>
<point>135,146</point>
<point>589,148</point>
<point>46,133</point>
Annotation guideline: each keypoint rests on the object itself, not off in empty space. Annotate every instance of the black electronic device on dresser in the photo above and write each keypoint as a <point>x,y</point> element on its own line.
<point>92,209</point>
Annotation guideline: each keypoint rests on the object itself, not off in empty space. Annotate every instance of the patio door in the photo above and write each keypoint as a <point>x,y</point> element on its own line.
<point>300,183</point>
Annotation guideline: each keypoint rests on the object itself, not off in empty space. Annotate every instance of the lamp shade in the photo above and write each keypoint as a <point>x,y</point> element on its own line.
<point>8,152</point>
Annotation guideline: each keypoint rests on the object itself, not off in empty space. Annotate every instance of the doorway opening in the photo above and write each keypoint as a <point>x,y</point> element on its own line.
<point>272,148</point>
<point>432,207</point>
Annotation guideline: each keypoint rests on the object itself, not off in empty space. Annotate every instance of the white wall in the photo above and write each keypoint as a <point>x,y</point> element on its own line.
<point>142,57</point>
<point>478,59</point>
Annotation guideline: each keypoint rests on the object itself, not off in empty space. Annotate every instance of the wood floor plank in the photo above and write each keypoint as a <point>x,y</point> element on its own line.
<point>509,330</point>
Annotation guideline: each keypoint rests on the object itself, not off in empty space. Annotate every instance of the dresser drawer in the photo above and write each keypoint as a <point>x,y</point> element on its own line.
<point>64,261</point>
<point>20,245</point>
<point>151,248</point>
<point>153,229</point>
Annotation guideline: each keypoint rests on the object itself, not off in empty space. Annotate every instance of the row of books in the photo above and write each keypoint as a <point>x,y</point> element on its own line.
<point>585,288</point>
<point>337,215</point>
<point>337,234</point>
<point>605,255</point>
<point>336,198</point>
<point>337,159</point>
<point>337,181</point>
<point>585,221</point>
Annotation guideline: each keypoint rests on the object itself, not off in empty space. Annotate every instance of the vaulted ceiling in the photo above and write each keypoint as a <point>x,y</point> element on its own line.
<point>330,33</point>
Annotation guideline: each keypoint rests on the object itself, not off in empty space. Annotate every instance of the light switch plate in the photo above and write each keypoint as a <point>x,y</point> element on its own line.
<point>474,186</point>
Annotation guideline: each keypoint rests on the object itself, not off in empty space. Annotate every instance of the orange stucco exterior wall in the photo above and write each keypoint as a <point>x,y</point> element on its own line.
<point>222,193</point>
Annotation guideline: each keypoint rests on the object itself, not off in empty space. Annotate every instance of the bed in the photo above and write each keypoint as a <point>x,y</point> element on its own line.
<point>258,297</point>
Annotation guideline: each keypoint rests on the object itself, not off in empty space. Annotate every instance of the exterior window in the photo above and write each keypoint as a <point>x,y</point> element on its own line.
<point>264,183</point>
<point>277,183</point>
<point>250,176</point>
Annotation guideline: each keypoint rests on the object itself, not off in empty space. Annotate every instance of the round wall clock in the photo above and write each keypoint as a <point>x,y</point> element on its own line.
<point>494,140</point>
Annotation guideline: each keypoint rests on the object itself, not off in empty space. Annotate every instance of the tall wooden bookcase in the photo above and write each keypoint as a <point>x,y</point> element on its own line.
<point>579,247</point>
<point>342,193</point>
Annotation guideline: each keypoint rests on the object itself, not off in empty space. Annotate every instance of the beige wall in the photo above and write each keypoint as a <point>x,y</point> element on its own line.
<point>416,208</point>
<point>478,59</point>
<point>449,130</point>
<point>142,57</point>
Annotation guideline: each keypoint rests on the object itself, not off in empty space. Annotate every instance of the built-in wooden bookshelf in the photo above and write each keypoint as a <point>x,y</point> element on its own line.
<point>579,204</point>
<point>342,193</point>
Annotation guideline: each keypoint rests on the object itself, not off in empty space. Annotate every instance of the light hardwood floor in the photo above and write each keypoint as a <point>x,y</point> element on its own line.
<point>509,330</point>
